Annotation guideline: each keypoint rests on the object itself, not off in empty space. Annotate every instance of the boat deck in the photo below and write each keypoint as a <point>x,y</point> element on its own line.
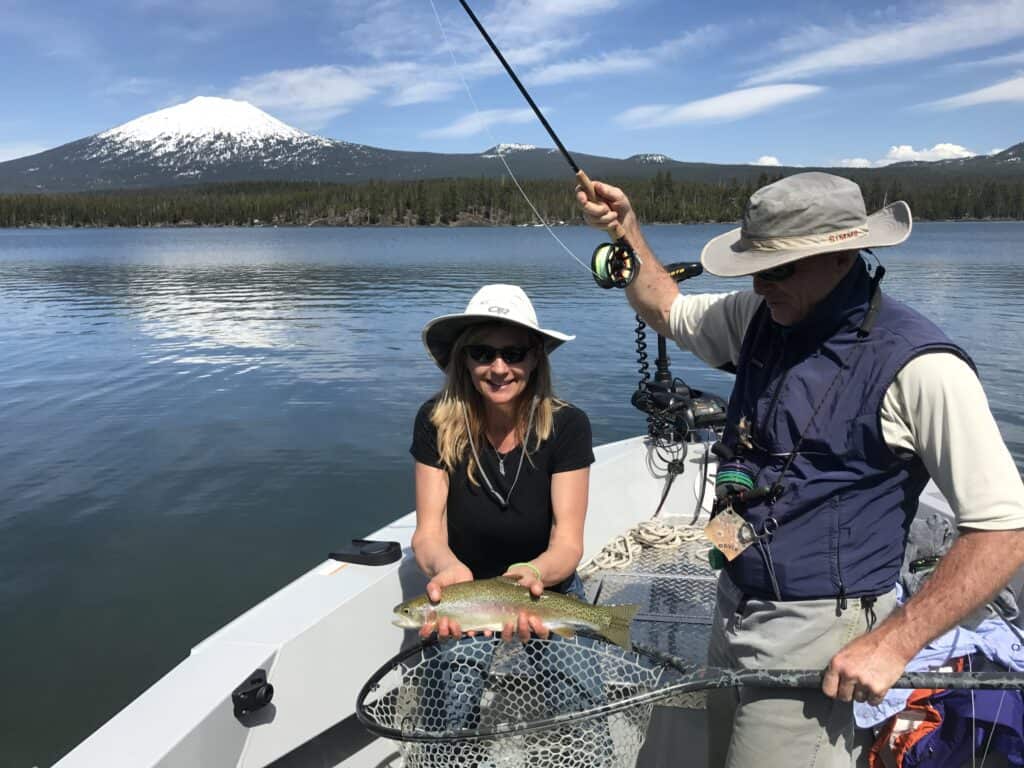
<point>675,589</point>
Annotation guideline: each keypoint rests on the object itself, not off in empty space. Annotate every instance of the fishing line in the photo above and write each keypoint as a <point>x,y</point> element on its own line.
<point>501,156</point>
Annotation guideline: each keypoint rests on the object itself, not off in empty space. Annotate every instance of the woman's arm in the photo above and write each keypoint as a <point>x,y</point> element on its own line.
<point>569,494</point>
<point>430,541</point>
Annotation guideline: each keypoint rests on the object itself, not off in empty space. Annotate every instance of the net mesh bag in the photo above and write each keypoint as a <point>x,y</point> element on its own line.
<point>484,702</point>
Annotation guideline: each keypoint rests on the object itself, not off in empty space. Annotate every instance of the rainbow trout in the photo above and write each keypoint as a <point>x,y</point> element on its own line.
<point>491,603</point>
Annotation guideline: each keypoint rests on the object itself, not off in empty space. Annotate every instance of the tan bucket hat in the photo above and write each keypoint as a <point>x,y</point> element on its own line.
<point>492,303</point>
<point>800,216</point>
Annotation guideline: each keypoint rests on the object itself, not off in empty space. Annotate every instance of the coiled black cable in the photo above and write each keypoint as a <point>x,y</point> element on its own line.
<point>641,354</point>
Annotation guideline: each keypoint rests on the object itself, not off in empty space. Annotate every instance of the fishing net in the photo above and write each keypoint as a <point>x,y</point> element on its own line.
<point>559,702</point>
<point>483,702</point>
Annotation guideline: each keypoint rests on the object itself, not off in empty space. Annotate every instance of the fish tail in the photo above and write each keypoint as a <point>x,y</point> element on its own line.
<point>617,630</point>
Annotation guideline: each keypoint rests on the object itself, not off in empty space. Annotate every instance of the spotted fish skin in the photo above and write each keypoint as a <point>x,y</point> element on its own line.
<point>489,604</point>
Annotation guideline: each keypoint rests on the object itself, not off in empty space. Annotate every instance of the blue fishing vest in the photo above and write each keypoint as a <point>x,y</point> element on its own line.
<point>846,501</point>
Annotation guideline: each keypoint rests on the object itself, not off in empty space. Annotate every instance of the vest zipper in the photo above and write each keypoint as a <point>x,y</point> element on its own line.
<point>841,602</point>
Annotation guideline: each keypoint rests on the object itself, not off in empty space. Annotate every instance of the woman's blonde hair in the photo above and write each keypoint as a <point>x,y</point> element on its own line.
<point>459,405</point>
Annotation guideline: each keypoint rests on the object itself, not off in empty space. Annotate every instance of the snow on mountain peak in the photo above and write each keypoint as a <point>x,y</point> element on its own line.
<point>507,149</point>
<point>651,158</point>
<point>205,119</point>
<point>201,117</point>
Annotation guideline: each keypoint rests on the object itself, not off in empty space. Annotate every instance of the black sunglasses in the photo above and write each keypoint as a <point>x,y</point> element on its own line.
<point>777,274</point>
<point>485,353</point>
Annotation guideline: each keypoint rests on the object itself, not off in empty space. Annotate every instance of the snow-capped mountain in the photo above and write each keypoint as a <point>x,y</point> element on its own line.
<point>205,129</point>
<point>203,140</point>
<point>210,140</point>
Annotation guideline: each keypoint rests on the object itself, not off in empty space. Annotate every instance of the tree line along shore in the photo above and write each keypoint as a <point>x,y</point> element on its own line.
<point>483,202</point>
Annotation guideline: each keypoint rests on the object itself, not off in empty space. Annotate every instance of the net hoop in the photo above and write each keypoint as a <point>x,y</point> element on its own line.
<point>568,687</point>
<point>648,667</point>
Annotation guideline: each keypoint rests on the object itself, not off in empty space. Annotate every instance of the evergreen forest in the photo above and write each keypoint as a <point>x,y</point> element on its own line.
<point>482,202</point>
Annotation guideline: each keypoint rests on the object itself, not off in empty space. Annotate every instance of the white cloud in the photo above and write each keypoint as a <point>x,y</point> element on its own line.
<point>314,95</point>
<point>387,29</point>
<point>515,21</point>
<point>477,122</point>
<point>607,64</point>
<point>767,160</point>
<point>626,59</point>
<point>20,149</point>
<point>1008,90</point>
<point>418,92</point>
<point>727,106</point>
<point>703,37</point>
<point>905,152</point>
<point>953,28</point>
<point>902,153</point>
<point>994,61</point>
<point>995,151</point>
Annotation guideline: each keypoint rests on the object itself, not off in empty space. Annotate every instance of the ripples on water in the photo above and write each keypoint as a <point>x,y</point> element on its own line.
<point>193,417</point>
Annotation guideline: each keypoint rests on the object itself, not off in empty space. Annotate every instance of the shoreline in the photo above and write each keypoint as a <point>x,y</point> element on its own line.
<point>456,225</point>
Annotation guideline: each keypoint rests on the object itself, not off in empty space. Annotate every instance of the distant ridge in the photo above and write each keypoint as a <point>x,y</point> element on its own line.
<point>211,140</point>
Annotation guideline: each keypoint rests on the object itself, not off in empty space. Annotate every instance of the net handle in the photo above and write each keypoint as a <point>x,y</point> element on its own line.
<point>691,680</point>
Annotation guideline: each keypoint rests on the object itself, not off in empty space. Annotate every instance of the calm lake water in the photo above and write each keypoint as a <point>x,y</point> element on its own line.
<point>191,418</point>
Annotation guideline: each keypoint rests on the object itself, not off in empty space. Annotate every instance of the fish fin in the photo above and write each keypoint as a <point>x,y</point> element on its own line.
<point>564,631</point>
<point>617,630</point>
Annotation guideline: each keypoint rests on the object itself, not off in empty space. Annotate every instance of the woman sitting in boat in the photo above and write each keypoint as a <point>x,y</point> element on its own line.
<point>502,465</point>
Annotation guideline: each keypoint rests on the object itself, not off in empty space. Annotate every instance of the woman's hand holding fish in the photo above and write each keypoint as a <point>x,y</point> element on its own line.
<point>445,626</point>
<point>526,576</point>
<point>525,625</point>
<point>455,573</point>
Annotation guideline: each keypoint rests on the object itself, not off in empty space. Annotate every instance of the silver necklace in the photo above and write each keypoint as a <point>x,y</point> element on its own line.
<point>501,458</point>
<point>502,500</point>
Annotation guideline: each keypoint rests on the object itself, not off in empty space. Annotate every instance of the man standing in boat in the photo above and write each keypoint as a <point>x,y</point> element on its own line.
<point>846,401</point>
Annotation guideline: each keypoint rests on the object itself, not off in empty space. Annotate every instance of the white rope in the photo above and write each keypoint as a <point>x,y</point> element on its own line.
<point>650,534</point>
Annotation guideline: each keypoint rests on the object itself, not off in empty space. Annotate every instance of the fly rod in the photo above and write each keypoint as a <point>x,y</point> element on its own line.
<point>613,264</point>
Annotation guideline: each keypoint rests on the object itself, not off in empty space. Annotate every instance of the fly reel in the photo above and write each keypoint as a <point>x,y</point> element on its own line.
<point>614,265</point>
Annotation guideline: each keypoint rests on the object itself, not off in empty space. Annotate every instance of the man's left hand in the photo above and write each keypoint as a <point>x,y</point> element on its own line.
<point>863,670</point>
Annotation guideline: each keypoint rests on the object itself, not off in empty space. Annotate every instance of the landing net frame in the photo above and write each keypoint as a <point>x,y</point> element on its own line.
<point>562,702</point>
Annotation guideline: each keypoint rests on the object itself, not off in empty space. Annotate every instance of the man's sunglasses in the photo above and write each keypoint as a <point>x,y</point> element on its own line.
<point>485,353</point>
<point>777,274</point>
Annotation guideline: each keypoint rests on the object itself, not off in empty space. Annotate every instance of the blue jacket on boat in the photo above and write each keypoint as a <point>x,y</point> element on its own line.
<point>845,500</point>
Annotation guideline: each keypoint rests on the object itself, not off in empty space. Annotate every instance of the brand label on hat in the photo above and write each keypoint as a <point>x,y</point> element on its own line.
<point>496,310</point>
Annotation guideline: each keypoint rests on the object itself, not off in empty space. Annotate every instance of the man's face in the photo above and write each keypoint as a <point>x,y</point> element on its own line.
<point>792,299</point>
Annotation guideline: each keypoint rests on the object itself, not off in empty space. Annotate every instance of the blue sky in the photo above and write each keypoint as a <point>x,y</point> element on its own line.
<point>802,83</point>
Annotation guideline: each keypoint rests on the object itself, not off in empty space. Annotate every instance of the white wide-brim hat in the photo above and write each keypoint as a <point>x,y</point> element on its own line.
<point>491,304</point>
<point>800,216</point>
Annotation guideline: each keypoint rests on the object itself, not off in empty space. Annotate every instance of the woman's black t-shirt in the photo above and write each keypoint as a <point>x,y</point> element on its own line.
<point>481,534</point>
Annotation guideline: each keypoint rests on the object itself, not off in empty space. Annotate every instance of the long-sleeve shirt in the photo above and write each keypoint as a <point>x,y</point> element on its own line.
<point>935,408</point>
